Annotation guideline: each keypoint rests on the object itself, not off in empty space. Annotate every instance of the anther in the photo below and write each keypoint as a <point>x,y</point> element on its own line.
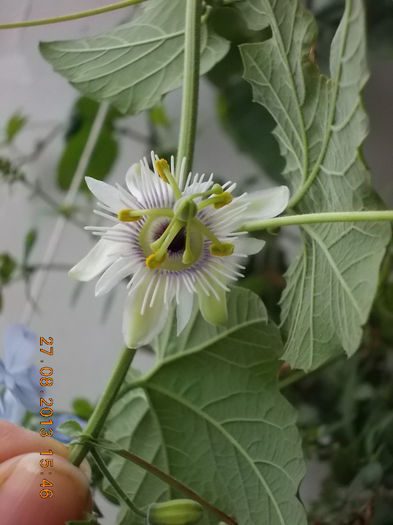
<point>222,200</point>
<point>162,166</point>
<point>155,261</point>
<point>222,249</point>
<point>129,215</point>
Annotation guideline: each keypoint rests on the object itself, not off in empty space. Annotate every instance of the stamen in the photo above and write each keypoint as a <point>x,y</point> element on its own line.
<point>219,201</point>
<point>155,260</point>
<point>222,249</point>
<point>129,215</point>
<point>165,174</point>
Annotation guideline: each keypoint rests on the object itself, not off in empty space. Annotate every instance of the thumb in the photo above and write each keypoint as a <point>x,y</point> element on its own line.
<point>24,501</point>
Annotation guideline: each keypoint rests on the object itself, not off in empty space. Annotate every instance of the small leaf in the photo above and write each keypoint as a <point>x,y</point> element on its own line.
<point>70,428</point>
<point>14,126</point>
<point>159,117</point>
<point>135,64</point>
<point>82,408</point>
<point>30,241</point>
<point>105,151</point>
<point>7,267</point>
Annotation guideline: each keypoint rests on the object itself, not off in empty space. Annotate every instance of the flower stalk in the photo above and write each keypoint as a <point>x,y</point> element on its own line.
<point>192,46</point>
<point>97,419</point>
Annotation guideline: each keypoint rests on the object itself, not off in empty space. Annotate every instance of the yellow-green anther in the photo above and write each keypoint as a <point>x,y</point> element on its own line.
<point>165,174</point>
<point>222,200</point>
<point>175,512</point>
<point>155,261</point>
<point>222,249</point>
<point>129,215</point>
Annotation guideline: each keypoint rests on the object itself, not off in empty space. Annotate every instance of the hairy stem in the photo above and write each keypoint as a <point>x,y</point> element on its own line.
<point>189,111</point>
<point>72,16</point>
<point>318,218</point>
<point>101,411</point>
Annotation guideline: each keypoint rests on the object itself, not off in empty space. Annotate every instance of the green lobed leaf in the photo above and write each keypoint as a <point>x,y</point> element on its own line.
<point>137,63</point>
<point>14,126</point>
<point>105,151</point>
<point>321,125</point>
<point>232,440</point>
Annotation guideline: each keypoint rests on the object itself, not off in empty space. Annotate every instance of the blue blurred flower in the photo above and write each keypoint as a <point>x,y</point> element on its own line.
<point>19,379</point>
<point>58,419</point>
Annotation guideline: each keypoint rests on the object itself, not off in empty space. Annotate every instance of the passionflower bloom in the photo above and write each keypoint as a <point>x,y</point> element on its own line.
<point>19,378</point>
<point>176,240</point>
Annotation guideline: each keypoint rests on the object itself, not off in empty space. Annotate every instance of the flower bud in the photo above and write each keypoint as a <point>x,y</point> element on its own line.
<point>175,512</point>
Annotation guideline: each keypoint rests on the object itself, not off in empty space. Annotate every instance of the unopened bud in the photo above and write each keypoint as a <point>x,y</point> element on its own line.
<point>175,512</point>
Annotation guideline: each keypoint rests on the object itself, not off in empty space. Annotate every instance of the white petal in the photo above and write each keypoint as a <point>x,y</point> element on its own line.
<point>113,275</point>
<point>105,193</point>
<point>265,204</point>
<point>184,309</point>
<point>140,329</point>
<point>96,261</point>
<point>20,345</point>
<point>134,180</point>
<point>248,245</point>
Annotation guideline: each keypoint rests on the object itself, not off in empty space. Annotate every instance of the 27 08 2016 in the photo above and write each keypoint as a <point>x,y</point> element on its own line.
<point>46,412</point>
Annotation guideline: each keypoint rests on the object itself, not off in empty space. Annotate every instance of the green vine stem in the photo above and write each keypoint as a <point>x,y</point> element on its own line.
<point>120,492</point>
<point>72,16</point>
<point>101,411</point>
<point>319,218</point>
<point>192,48</point>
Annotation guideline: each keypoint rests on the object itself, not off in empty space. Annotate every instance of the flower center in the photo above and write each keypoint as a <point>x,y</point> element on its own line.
<point>178,244</point>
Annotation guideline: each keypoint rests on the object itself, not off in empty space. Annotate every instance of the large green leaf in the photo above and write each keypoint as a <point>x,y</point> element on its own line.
<point>321,125</point>
<point>213,417</point>
<point>137,63</point>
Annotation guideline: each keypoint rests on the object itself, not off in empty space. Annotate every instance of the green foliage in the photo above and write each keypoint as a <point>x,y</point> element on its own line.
<point>82,408</point>
<point>105,151</point>
<point>250,126</point>
<point>7,267</point>
<point>30,240</point>
<point>14,126</point>
<point>205,432</point>
<point>320,128</point>
<point>70,428</point>
<point>135,64</point>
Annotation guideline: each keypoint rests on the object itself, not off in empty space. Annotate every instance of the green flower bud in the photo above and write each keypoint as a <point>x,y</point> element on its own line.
<point>175,512</point>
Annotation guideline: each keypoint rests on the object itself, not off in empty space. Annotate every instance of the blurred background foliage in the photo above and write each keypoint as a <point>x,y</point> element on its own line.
<point>346,408</point>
